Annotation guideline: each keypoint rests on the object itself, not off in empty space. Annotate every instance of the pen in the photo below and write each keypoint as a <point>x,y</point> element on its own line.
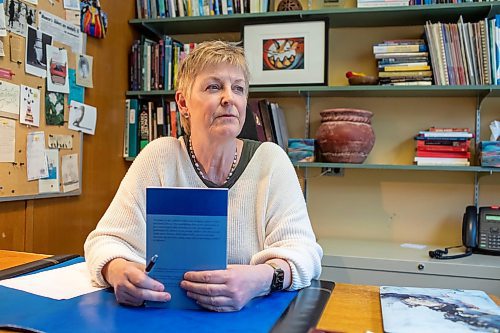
<point>151,263</point>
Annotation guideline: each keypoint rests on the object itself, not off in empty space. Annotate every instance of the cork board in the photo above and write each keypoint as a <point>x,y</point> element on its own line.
<point>14,184</point>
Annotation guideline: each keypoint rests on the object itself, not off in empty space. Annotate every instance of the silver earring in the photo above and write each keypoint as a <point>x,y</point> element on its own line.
<point>186,115</point>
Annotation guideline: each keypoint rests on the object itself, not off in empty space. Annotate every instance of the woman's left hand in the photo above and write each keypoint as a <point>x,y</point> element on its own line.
<point>230,289</point>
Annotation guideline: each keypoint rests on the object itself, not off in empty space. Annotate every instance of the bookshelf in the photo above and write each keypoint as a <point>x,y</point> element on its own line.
<point>351,213</point>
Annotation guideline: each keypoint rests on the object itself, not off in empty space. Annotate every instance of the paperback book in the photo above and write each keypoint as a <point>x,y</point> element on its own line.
<point>187,229</point>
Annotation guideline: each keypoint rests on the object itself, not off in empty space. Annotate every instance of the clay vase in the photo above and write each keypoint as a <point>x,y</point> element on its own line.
<point>345,135</point>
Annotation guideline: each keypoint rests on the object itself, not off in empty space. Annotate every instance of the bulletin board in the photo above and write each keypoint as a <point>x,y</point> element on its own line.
<point>14,184</point>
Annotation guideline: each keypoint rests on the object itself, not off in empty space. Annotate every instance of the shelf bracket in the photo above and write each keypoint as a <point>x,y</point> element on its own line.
<point>307,130</point>
<point>476,189</point>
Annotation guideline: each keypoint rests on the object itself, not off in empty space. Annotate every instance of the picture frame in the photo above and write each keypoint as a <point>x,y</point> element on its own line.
<point>287,53</point>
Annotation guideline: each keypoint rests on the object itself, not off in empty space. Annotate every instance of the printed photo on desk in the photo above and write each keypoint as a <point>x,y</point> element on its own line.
<point>406,309</point>
<point>288,53</point>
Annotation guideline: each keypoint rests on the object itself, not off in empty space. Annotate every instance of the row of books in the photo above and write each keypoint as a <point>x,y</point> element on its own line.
<point>270,122</point>
<point>443,146</point>
<point>146,121</point>
<point>381,3</point>
<point>154,64</point>
<point>179,8</point>
<point>403,62</point>
<point>465,53</point>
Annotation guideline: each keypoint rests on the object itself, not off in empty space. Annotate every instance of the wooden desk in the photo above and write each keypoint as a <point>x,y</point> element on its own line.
<point>351,308</point>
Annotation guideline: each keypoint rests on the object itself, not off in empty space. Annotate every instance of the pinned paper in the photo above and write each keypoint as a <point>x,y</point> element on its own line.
<point>3,30</point>
<point>36,56</point>
<point>69,171</point>
<point>60,141</point>
<point>54,108</point>
<point>19,16</point>
<point>7,140</point>
<point>84,70</point>
<point>51,183</point>
<point>76,93</point>
<point>82,118</point>
<point>57,69</point>
<point>16,44</point>
<point>73,16</point>
<point>29,112</point>
<point>9,100</point>
<point>36,158</point>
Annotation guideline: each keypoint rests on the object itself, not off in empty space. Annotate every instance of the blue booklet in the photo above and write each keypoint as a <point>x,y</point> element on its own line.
<point>187,229</point>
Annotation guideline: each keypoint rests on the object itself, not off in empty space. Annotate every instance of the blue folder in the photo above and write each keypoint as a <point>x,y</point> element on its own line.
<point>99,312</point>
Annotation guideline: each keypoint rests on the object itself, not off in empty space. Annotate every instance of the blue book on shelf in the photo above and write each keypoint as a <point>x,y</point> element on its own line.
<point>133,129</point>
<point>187,229</point>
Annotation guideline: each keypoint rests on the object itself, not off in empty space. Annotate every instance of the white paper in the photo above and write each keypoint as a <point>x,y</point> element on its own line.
<point>51,183</point>
<point>60,141</point>
<point>19,15</point>
<point>36,159</point>
<point>69,171</point>
<point>57,69</point>
<point>60,283</point>
<point>413,246</point>
<point>72,4</point>
<point>82,118</point>
<point>73,17</point>
<point>61,30</point>
<point>2,51</point>
<point>3,30</point>
<point>9,100</point>
<point>84,70</point>
<point>7,140</point>
<point>29,112</point>
<point>495,130</point>
<point>36,55</point>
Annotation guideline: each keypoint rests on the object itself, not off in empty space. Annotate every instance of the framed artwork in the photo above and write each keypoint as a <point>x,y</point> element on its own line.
<point>288,53</point>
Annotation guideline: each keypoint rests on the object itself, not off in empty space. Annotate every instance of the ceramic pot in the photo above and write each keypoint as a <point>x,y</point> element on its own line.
<point>345,135</point>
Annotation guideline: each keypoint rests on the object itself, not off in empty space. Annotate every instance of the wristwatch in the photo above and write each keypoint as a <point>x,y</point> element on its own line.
<point>278,277</point>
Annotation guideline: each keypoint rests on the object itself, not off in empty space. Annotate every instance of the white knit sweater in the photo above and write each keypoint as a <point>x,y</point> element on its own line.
<point>267,215</point>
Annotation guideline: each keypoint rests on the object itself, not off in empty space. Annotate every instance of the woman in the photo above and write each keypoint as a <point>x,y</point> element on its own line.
<point>269,234</point>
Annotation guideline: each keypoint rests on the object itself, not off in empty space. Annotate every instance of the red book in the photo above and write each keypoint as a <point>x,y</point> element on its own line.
<point>423,153</point>
<point>443,145</point>
<point>449,129</point>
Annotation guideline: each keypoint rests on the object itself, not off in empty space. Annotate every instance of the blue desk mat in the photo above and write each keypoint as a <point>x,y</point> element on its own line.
<point>99,312</point>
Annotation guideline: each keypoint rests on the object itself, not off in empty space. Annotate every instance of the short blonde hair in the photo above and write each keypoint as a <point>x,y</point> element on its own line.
<point>204,55</point>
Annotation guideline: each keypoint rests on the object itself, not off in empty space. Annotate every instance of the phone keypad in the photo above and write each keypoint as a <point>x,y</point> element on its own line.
<point>490,240</point>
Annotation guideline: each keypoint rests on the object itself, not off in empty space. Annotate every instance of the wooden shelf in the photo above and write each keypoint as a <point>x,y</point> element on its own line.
<point>338,18</point>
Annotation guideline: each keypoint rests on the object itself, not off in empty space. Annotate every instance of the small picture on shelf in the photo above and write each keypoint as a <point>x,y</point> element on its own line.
<point>301,150</point>
<point>290,53</point>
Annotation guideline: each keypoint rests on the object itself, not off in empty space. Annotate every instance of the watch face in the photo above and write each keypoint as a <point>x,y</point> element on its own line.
<point>278,278</point>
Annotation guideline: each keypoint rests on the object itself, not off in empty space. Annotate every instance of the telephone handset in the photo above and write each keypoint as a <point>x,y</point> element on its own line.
<point>480,233</point>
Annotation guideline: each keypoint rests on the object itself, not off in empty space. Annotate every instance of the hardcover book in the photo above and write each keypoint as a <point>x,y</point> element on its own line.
<point>407,309</point>
<point>187,229</point>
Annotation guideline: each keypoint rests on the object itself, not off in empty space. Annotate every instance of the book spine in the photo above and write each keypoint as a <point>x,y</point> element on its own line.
<point>399,48</point>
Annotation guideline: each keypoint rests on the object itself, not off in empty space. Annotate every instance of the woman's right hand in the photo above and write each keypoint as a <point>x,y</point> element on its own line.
<point>131,284</point>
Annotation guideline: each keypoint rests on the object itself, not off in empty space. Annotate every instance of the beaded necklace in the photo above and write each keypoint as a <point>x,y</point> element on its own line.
<point>197,164</point>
